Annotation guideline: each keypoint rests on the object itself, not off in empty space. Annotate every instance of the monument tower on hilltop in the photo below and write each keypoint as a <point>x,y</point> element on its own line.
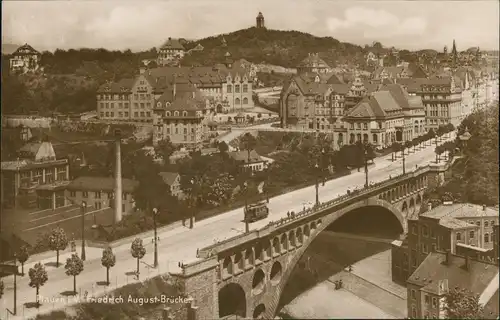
<point>260,21</point>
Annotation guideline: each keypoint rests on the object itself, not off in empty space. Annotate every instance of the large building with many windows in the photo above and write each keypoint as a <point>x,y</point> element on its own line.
<point>228,85</point>
<point>461,228</point>
<point>25,59</point>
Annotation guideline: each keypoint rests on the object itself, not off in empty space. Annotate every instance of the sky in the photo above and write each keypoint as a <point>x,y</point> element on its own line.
<point>143,24</point>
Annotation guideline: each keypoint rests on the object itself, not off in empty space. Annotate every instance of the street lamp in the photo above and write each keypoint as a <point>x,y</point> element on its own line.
<point>83,209</point>
<point>155,213</point>
<point>191,218</point>
<point>404,164</point>
<point>366,166</point>
<point>247,227</point>
<point>464,137</point>
<point>317,183</point>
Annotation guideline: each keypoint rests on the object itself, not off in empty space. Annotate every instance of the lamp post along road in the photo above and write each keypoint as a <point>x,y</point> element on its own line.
<point>366,167</point>
<point>317,183</point>
<point>83,209</point>
<point>155,262</point>
<point>464,138</point>
<point>247,227</point>
<point>191,218</point>
<point>404,167</point>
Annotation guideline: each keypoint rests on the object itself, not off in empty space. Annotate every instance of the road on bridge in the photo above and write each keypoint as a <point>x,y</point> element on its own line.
<point>181,243</point>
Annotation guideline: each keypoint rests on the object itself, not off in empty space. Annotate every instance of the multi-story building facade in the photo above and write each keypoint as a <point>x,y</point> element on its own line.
<point>315,101</point>
<point>460,228</point>
<point>386,116</point>
<point>228,86</point>
<point>313,63</point>
<point>442,101</point>
<point>36,179</point>
<point>25,59</point>
<point>170,53</point>
<point>441,273</point>
<point>98,193</point>
<point>180,118</point>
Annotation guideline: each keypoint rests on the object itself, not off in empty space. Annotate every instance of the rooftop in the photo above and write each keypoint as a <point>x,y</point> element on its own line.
<point>461,210</point>
<point>169,177</point>
<point>434,269</point>
<point>243,156</point>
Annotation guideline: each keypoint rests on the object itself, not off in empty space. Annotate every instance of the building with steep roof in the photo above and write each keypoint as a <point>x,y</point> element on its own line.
<point>403,71</point>
<point>35,179</point>
<point>462,228</point>
<point>246,161</point>
<point>313,63</point>
<point>173,180</point>
<point>25,59</point>
<point>442,272</point>
<point>229,86</point>
<point>170,53</point>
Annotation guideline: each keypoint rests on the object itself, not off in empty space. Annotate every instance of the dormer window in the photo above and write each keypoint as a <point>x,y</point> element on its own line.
<point>184,114</point>
<point>176,113</point>
<point>229,79</point>
<point>167,113</point>
<point>158,104</point>
<point>316,79</point>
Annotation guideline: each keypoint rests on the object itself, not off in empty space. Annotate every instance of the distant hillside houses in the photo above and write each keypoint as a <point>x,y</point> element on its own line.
<point>25,59</point>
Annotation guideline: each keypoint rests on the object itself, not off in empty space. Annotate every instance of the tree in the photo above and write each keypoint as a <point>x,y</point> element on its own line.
<point>74,266</point>
<point>396,146</point>
<point>22,256</point>
<point>58,241</point>
<point>165,149</point>
<point>223,147</point>
<point>138,251</point>
<point>463,304</point>
<point>438,150</point>
<point>108,260</point>
<point>408,145</point>
<point>38,277</point>
<point>248,143</point>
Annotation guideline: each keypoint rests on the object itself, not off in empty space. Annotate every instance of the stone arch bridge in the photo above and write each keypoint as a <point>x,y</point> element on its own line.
<point>244,276</point>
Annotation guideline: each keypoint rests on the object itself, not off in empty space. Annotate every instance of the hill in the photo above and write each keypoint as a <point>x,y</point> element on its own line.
<point>284,48</point>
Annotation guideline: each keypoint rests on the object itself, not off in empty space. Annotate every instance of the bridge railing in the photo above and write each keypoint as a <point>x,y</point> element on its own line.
<point>228,243</point>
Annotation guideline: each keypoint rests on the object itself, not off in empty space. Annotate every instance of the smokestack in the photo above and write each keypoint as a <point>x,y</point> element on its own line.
<point>174,86</point>
<point>118,177</point>
<point>447,261</point>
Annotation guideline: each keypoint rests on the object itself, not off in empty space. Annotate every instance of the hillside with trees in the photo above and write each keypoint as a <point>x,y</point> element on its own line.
<point>475,177</point>
<point>284,48</point>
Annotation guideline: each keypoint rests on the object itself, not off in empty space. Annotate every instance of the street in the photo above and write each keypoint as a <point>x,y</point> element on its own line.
<point>180,244</point>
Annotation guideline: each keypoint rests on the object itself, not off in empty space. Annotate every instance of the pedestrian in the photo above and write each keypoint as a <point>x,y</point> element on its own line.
<point>179,264</point>
<point>158,239</point>
<point>336,284</point>
<point>197,251</point>
<point>341,284</point>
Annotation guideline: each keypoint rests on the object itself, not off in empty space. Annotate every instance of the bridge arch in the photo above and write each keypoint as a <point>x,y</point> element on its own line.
<point>232,300</point>
<point>322,224</point>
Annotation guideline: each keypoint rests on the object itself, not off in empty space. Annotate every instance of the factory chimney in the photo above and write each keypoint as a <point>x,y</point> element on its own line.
<point>118,177</point>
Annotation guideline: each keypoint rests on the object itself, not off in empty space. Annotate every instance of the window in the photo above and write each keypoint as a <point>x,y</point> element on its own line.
<point>229,88</point>
<point>471,234</point>
<point>123,207</point>
<point>85,194</point>
<point>245,88</point>
<point>427,299</point>
<point>486,224</point>
<point>365,126</point>
<point>124,196</point>
<point>237,88</point>
<point>492,223</point>
<point>97,195</point>
<point>136,114</point>
<point>425,231</point>
<point>237,101</point>
<point>414,229</point>
<point>424,248</point>
<point>352,126</point>
<point>486,238</point>
<point>434,302</point>
<point>245,100</point>
<point>72,193</point>
<point>413,294</point>
<point>478,223</point>
<point>433,235</point>
<point>413,313</point>
<point>459,236</point>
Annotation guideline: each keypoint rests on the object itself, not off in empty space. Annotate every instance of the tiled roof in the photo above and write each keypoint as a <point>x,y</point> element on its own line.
<point>433,269</point>
<point>438,81</point>
<point>243,156</point>
<point>124,85</point>
<point>313,60</point>
<point>172,44</point>
<point>452,223</point>
<point>402,97</point>
<point>26,47</point>
<point>377,105</point>
<point>169,177</point>
<point>106,184</point>
<point>460,210</point>
<point>32,147</point>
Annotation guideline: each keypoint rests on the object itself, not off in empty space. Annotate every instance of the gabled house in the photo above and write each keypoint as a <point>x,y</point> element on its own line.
<point>173,180</point>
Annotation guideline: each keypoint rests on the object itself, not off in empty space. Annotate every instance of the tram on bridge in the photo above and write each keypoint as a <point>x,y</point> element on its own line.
<point>256,211</point>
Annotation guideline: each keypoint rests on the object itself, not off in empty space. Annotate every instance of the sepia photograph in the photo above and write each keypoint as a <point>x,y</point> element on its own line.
<point>249,159</point>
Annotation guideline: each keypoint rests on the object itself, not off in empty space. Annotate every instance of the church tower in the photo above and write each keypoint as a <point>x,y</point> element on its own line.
<point>454,53</point>
<point>260,21</point>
